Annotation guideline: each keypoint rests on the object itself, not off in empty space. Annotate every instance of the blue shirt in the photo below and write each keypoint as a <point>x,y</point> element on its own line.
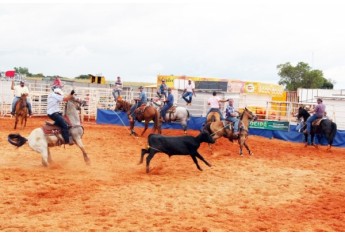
<point>163,88</point>
<point>229,110</point>
<point>142,97</point>
<point>170,100</point>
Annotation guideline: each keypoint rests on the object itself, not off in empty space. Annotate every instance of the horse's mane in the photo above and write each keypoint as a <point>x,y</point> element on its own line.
<point>124,104</point>
<point>302,113</point>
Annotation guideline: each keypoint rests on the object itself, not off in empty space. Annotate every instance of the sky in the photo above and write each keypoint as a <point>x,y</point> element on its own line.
<point>138,40</point>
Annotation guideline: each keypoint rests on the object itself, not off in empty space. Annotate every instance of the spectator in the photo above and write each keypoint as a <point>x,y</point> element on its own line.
<point>188,92</point>
<point>118,88</point>
<point>163,90</point>
<point>214,103</point>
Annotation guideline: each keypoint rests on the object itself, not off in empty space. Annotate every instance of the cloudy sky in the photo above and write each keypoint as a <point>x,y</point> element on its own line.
<point>138,40</point>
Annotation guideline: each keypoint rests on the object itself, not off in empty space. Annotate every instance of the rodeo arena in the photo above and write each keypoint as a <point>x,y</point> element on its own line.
<point>192,179</point>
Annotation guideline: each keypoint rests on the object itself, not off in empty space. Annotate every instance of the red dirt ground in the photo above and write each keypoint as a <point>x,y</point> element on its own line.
<point>282,187</point>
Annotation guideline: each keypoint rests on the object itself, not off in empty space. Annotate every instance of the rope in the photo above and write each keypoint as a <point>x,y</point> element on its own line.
<point>137,138</point>
<point>220,129</point>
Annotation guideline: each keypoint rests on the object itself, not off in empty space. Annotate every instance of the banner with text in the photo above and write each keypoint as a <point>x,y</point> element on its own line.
<point>270,125</point>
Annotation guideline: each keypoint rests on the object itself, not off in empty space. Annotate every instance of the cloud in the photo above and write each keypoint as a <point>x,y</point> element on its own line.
<point>138,40</point>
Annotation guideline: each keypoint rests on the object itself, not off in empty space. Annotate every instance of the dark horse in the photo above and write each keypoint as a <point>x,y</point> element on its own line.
<point>21,111</point>
<point>325,127</point>
<point>146,113</point>
<point>220,129</point>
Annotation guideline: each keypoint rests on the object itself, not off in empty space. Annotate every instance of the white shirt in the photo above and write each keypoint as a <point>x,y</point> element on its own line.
<point>190,87</point>
<point>53,103</point>
<point>214,102</point>
<point>19,90</point>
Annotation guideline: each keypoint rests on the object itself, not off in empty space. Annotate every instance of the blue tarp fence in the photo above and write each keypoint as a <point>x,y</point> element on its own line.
<point>196,123</point>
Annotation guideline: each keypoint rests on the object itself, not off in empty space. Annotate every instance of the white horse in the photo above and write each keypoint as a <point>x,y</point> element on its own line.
<point>40,139</point>
<point>176,113</point>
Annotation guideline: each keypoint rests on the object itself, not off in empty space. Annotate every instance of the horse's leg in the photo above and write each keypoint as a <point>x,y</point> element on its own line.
<point>16,121</point>
<point>25,119</point>
<point>50,160</point>
<point>145,128</point>
<point>247,147</point>
<point>131,126</point>
<point>184,126</point>
<point>81,146</point>
<point>305,140</point>
<point>240,142</point>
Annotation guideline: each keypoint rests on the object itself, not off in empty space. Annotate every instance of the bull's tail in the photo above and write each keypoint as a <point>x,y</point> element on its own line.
<point>16,140</point>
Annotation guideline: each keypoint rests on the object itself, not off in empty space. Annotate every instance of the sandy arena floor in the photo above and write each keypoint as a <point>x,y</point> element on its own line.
<point>282,187</point>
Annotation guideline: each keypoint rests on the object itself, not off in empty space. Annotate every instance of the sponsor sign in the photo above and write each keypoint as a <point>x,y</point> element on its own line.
<point>270,125</point>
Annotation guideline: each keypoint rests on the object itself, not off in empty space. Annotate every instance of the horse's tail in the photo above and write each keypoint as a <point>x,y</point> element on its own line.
<point>333,132</point>
<point>16,140</point>
<point>188,114</point>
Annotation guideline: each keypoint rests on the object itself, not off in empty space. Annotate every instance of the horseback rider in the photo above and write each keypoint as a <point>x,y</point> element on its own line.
<point>19,90</point>
<point>319,112</point>
<point>142,99</point>
<point>214,103</point>
<point>54,113</point>
<point>232,115</point>
<point>169,102</point>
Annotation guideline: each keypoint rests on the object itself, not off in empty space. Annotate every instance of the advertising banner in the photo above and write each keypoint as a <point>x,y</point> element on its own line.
<point>270,125</point>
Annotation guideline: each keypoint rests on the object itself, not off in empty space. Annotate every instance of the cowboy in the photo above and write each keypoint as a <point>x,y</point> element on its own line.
<point>19,90</point>
<point>169,102</point>
<point>142,99</point>
<point>319,112</point>
<point>232,115</point>
<point>54,113</point>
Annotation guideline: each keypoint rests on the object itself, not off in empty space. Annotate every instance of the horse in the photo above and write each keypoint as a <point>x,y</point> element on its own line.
<point>220,129</point>
<point>175,113</point>
<point>49,135</point>
<point>212,117</point>
<point>143,112</point>
<point>320,127</point>
<point>21,111</point>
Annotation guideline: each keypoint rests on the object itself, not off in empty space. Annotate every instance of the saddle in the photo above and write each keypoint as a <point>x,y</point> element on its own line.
<point>170,112</point>
<point>49,128</point>
<point>172,109</point>
<point>317,122</point>
<point>139,112</point>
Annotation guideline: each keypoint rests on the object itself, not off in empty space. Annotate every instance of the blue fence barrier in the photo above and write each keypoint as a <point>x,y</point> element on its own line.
<point>195,123</point>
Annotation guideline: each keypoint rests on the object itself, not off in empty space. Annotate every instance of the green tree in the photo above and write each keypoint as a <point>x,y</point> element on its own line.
<point>22,71</point>
<point>83,77</point>
<point>301,76</point>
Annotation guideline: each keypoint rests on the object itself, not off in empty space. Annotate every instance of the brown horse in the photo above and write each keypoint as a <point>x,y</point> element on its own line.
<point>21,111</point>
<point>212,117</point>
<point>220,129</point>
<point>143,112</point>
